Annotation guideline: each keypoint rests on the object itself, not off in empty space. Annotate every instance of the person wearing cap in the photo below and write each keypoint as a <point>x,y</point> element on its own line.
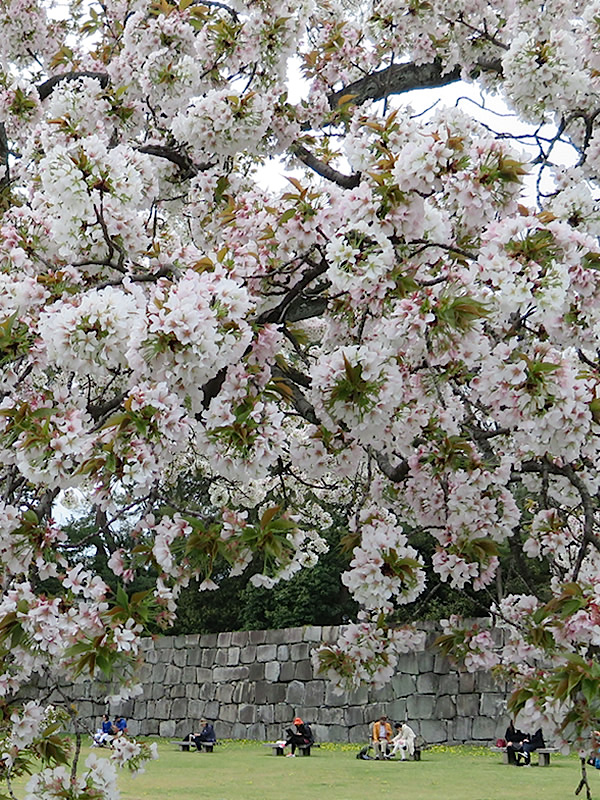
<point>303,735</point>
<point>206,736</point>
<point>381,736</point>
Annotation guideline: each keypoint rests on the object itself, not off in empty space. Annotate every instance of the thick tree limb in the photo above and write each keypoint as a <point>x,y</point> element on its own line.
<point>45,89</point>
<point>323,169</point>
<point>181,160</point>
<point>396,79</point>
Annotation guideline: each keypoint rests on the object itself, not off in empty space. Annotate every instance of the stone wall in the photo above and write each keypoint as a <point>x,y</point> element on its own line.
<point>253,683</point>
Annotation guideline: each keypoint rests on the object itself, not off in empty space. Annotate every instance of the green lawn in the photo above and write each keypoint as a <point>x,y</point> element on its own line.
<point>249,771</point>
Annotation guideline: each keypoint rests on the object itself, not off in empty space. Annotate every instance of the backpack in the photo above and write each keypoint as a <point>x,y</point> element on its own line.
<point>364,754</point>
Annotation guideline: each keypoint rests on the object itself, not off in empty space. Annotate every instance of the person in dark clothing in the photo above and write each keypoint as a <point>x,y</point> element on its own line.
<point>514,742</point>
<point>529,744</point>
<point>303,735</point>
<point>206,736</point>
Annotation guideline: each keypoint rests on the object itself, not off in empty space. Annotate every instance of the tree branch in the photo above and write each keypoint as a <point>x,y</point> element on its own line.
<point>323,169</point>
<point>45,89</point>
<point>396,79</point>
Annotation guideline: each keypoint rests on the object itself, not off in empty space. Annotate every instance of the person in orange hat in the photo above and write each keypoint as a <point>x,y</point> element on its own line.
<point>302,735</point>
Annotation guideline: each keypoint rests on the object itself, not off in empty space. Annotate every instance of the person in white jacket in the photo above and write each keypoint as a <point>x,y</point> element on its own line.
<point>403,741</point>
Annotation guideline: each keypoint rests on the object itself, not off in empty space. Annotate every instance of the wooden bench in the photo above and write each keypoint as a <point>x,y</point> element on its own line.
<point>304,749</point>
<point>207,747</point>
<point>543,754</point>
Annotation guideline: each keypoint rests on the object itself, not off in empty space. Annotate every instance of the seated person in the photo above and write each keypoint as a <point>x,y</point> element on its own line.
<point>207,735</point>
<point>403,741</point>
<point>381,736</point>
<point>120,726</point>
<point>105,732</point>
<point>514,742</point>
<point>529,744</point>
<point>303,735</point>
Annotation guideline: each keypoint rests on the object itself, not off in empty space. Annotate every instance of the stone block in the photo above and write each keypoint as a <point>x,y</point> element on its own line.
<point>257,637</point>
<point>383,695</point>
<point>427,683</point>
<point>492,705</point>
<point>467,705</point>
<point>359,734</point>
<point>233,656</point>
<point>206,691</point>
<point>221,658</point>
<point>441,665</point>
<point>192,640</point>
<point>315,693</point>
<point>195,710</point>
<point>178,642</point>
<point>332,698</point>
<point>283,713</point>
<point>425,660</point>
<point>208,640</point>
<point>179,658</point>
<point>209,655</point>
<point>448,684</point>
<point>173,674</point>
<point>421,706</point>
<point>248,654</point>
<point>408,663</point>
<point>256,671</point>
<point>272,670</point>
<point>466,682</point>
<point>312,633</point>
<point>486,729</point>
<point>485,682</point>
<point>266,652</point>
<point>188,675</point>
<point>357,697</point>
<point>158,673</point>
<point>228,713</point>
<point>266,714</point>
<point>397,709</point>
<point>224,639</point>
<point>404,684</point>
<point>304,671</point>
<point>355,715</point>
<point>224,692</point>
<point>239,638</point>
<point>277,636</point>
<point>461,729</point>
<point>243,692</point>
<point>295,693</point>
<point>166,729</point>
<point>445,707</point>
<point>163,643</point>
<point>294,635</point>
<point>179,708</point>
<point>283,652</point>
<point>299,651</point>
<point>194,657</point>
<point>247,714</point>
<point>288,671</point>
<point>162,709</point>
<point>433,731</point>
<point>211,710</point>
<point>203,675</point>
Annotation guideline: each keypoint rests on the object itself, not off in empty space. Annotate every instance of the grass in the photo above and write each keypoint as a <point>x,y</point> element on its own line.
<point>248,771</point>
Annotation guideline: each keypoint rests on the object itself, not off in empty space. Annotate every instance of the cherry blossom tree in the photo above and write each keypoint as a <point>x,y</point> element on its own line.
<point>409,330</point>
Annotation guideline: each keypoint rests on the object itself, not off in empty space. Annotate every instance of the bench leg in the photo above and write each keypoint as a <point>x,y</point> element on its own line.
<point>505,757</point>
<point>417,755</point>
<point>208,748</point>
<point>544,759</point>
<point>278,751</point>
